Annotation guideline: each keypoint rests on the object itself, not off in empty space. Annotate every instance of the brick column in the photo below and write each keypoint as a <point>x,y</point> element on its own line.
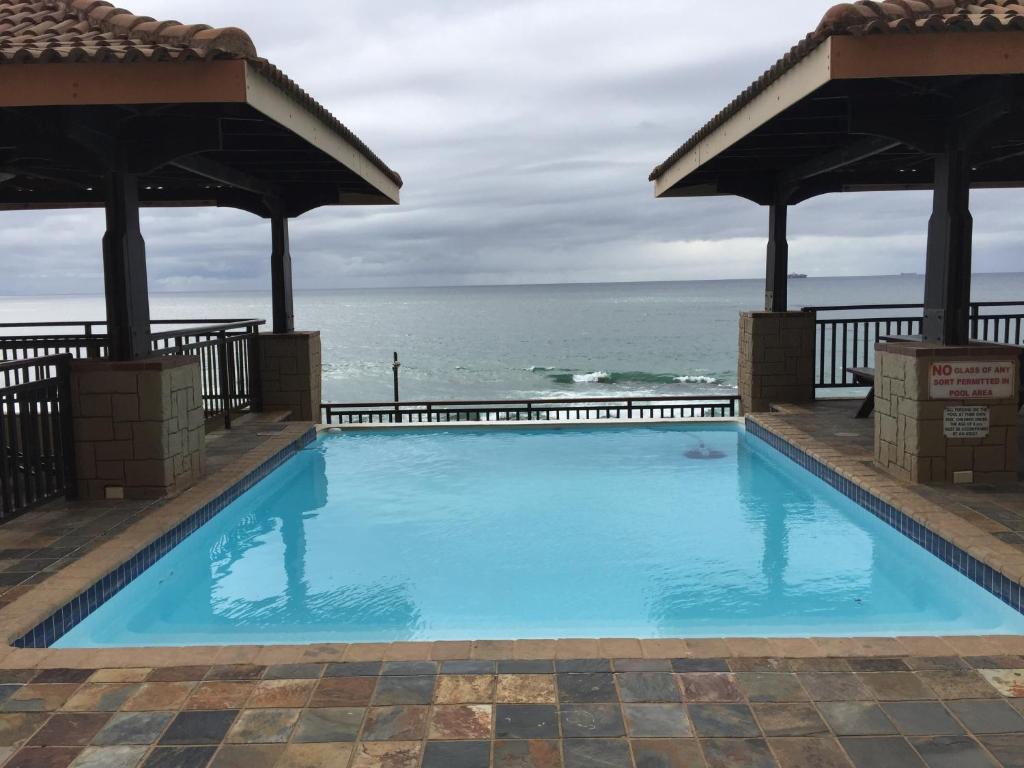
<point>776,359</point>
<point>919,420</point>
<point>139,428</point>
<point>290,373</point>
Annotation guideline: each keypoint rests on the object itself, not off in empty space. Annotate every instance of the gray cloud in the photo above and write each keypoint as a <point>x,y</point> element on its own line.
<point>524,131</point>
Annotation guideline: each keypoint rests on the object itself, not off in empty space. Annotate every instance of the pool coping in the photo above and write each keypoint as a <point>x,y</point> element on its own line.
<point>175,518</point>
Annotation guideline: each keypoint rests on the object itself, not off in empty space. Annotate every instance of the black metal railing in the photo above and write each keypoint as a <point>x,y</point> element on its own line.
<point>226,350</point>
<point>577,409</point>
<point>36,448</point>
<point>845,338</point>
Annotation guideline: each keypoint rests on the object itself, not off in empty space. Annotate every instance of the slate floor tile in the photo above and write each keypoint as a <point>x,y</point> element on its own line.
<point>457,754</point>
<point>881,664</point>
<point>219,695</point>
<point>63,675</point>
<point>759,664</point>
<point>666,753</point>
<point>960,684</point>
<point>526,689</point>
<point>353,669</point>
<point>597,753</point>
<point>111,757</point>
<point>589,687</point>
<point>771,686</point>
<point>856,718</point>
<point>248,756</point>
<point>527,753</point>
<point>326,724</point>
<point>583,665</point>
<point>263,726</point>
<point>789,719</point>
<point>1007,748</point>
<point>316,756</point>
<point>179,674</point>
<point>468,667</point>
<point>100,697</point>
<point>936,663</point>
<point>700,665</point>
<point>399,723</point>
<point>921,718</point>
<point>881,752</point>
<point>995,662</point>
<point>17,728</point>
<point>809,752</point>
<point>199,727</point>
<point>293,672</point>
<point>834,686</point>
<point>461,721</point>
<point>179,757</point>
<point>35,697</point>
<point>413,689</point>
<point>406,668</point>
<point>952,752</point>
<point>896,686</point>
<point>987,715</point>
<point>158,696</point>
<point>465,689</point>
<point>387,754</point>
<point>343,692</point>
<point>648,687</point>
<point>44,757</point>
<point>642,665</point>
<point>657,720</point>
<point>277,694</point>
<point>235,672</point>
<point>133,728</point>
<point>724,720</point>
<point>591,721</point>
<point>526,721</point>
<point>710,687</point>
<point>70,729</point>
<point>729,753</point>
<point>526,667</point>
<point>1008,682</point>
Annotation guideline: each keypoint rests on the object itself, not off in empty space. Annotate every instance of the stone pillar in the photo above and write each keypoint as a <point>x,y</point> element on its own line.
<point>290,373</point>
<point>947,414</point>
<point>139,427</point>
<point>776,359</point>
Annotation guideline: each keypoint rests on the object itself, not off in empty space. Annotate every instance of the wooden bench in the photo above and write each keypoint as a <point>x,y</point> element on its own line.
<point>864,377</point>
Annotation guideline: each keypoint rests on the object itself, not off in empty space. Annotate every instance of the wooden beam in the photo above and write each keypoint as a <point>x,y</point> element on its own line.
<point>124,270</point>
<point>840,158</point>
<point>222,174</point>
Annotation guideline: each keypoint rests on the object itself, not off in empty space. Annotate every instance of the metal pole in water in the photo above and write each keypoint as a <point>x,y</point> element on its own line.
<point>394,370</point>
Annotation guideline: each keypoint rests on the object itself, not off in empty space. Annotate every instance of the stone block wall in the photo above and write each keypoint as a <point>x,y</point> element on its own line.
<point>139,427</point>
<point>910,439</point>
<point>290,372</point>
<point>776,359</point>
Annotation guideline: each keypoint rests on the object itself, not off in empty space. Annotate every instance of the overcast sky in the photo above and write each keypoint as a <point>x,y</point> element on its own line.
<point>524,131</point>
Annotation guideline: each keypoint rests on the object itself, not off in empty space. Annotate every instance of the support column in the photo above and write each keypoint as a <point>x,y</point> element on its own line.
<point>776,359</point>
<point>281,274</point>
<point>947,283</point>
<point>124,270</point>
<point>776,294</point>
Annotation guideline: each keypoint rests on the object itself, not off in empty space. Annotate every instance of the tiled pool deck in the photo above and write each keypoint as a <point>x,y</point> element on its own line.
<point>815,702</point>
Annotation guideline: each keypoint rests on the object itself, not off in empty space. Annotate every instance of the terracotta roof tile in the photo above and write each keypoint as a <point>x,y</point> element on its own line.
<point>868,17</point>
<point>71,31</point>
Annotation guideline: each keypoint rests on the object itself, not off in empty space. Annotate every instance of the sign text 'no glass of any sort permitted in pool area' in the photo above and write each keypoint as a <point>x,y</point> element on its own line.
<point>971,380</point>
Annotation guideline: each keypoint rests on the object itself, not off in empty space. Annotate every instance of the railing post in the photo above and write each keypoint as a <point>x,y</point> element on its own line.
<point>975,314</point>
<point>67,436</point>
<point>255,382</point>
<point>222,359</point>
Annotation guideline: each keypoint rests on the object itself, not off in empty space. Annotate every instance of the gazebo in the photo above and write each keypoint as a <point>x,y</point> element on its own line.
<point>906,94</point>
<point>103,108</point>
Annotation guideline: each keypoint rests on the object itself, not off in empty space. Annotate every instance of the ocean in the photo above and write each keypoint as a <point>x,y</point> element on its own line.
<point>524,341</point>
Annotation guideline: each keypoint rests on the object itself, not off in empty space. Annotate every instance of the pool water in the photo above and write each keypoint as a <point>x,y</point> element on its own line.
<point>683,531</point>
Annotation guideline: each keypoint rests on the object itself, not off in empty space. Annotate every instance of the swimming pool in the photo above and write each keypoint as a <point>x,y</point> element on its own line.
<point>642,531</point>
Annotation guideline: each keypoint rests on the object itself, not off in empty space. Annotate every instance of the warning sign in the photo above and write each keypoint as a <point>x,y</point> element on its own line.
<point>965,421</point>
<point>971,380</point>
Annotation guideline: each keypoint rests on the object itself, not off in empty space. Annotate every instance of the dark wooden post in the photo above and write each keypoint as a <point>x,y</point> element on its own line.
<point>947,281</point>
<point>124,270</point>
<point>776,297</point>
<point>281,274</point>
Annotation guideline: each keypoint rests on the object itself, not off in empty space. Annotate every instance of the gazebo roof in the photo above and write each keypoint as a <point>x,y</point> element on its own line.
<point>96,74</point>
<point>823,107</point>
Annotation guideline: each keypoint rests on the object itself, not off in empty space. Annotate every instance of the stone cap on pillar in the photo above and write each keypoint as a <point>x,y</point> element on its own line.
<point>931,349</point>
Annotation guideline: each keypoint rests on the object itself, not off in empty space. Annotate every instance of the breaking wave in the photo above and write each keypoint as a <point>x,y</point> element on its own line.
<point>627,377</point>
